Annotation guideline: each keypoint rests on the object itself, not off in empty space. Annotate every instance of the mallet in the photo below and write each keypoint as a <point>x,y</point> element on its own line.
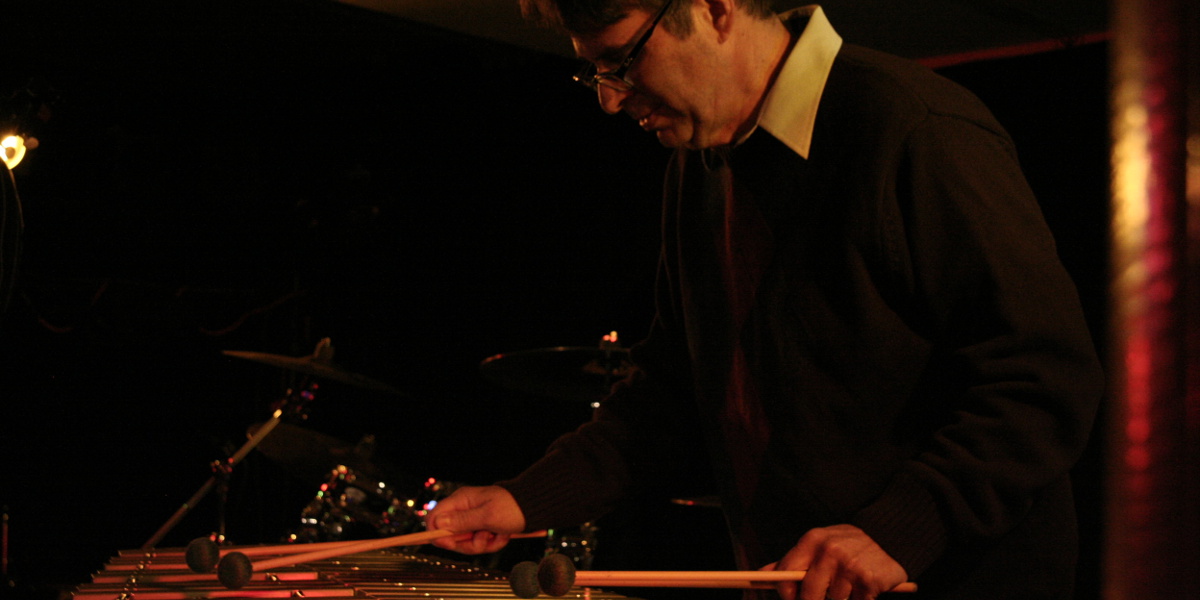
<point>557,574</point>
<point>202,554</point>
<point>234,568</point>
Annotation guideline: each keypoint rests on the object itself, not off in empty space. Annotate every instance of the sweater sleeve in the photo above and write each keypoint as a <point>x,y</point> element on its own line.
<point>1011,341</point>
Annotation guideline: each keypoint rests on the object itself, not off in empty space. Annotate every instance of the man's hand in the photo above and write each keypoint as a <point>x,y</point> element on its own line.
<point>483,517</point>
<point>842,563</point>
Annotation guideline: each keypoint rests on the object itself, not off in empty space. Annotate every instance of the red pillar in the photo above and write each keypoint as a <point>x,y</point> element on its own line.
<point>1152,547</point>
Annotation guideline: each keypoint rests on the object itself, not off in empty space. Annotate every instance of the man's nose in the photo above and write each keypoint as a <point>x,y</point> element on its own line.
<point>611,99</point>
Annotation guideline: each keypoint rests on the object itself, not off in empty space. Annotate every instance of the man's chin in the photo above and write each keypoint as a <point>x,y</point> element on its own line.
<point>670,138</point>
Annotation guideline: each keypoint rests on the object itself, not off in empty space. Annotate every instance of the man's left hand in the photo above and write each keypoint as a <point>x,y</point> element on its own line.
<point>842,562</point>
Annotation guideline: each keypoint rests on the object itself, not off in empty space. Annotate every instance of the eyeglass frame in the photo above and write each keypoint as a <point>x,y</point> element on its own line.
<point>615,79</point>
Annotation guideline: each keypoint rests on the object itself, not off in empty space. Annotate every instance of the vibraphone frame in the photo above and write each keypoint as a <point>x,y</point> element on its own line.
<point>382,574</point>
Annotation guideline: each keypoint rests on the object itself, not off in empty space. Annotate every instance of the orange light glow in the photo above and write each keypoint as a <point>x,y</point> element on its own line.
<point>12,150</point>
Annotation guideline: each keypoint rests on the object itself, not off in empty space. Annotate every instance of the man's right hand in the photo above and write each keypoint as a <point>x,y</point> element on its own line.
<point>483,517</point>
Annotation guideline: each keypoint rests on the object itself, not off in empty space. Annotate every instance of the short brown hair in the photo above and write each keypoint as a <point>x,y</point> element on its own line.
<point>590,16</point>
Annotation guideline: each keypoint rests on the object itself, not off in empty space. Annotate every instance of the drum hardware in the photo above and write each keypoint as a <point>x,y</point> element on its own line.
<point>576,543</point>
<point>700,501</point>
<point>576,374</point>
<point>219,480</point>
<point>309,455</point>
<point>572,373</point>
<point>349,506</point>
<point>319,364</point>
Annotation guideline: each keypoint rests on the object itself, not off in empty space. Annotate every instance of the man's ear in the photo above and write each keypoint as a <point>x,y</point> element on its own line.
<point>719,15</point>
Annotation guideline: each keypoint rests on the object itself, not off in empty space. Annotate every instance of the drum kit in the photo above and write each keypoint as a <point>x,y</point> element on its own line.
<point>354,500</point>
<point>355,516</point>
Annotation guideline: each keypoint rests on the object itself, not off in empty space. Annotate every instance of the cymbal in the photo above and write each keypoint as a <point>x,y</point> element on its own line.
<point>318,365</point>
<point>311,455</point>
<point>576,374</point>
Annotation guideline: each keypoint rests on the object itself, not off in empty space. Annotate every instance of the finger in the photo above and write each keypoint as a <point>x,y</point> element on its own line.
<point>474,542</point>
<point>469,519</point>
<point>786,589</point>
<point>839,589</point>
<point>491,542</point>
<point>434,520</point>
<point>481,542</point>
<point>453,542</point>
<point>816,584</point>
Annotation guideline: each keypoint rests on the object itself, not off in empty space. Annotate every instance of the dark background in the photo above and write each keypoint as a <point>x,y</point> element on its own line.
<point>229,175</point>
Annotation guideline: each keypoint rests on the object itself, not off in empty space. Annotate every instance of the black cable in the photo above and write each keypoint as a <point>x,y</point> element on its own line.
<point>12,228</point>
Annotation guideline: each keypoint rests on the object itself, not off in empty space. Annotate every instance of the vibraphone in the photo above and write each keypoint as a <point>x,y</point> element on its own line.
<point>382,574</point>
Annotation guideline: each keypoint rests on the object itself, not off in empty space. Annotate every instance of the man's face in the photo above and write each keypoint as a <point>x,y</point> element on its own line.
<point>674,95</point>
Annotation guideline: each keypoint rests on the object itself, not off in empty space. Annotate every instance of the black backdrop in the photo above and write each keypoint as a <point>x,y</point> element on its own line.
<point>255,176</point>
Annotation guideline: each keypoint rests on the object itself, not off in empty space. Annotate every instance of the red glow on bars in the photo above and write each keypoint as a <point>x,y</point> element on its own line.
<point>1050,45</point>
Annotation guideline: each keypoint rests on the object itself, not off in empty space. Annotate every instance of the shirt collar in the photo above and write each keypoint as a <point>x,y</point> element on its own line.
<point>790,108</point>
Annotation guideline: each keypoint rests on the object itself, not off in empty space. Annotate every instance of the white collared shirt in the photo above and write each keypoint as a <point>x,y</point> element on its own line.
<point>790,108</point>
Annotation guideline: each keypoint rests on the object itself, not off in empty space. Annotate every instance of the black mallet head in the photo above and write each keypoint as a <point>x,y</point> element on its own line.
<point>556,574</point>
<point>523,579</point>
<point>234,570</point>
<point>202,555</point>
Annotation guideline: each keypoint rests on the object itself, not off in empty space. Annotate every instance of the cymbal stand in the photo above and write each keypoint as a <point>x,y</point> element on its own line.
<point>222,469</point>
<point>579,544</point>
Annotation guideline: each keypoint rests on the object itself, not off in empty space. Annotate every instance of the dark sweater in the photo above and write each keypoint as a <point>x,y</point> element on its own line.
<point>896,346</point>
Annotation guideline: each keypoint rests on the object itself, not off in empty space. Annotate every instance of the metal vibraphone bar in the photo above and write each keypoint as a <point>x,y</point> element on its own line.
<point>384,575</point>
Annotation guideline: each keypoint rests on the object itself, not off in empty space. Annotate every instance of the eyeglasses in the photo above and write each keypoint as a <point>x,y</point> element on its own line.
<point>615,79</point>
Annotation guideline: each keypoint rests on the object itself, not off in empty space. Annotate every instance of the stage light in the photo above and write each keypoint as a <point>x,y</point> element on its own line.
<point>12,150</point>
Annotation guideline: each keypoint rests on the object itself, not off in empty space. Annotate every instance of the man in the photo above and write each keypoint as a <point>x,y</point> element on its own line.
<point>864,337</point>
